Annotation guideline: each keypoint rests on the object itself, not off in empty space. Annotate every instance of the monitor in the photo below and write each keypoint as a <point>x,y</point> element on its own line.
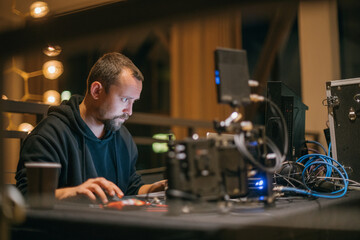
<point>232,77</point>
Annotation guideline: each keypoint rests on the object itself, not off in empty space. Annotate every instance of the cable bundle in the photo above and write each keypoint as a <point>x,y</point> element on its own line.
<point>319,164</point>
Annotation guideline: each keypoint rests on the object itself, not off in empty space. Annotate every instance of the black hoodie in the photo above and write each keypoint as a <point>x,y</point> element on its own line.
<point>63,137</point>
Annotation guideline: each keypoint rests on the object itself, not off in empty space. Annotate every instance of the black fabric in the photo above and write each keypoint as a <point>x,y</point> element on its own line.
<point>63,137</point>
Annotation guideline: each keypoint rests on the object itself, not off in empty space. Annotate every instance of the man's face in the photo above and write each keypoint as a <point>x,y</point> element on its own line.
<point>116,106</point>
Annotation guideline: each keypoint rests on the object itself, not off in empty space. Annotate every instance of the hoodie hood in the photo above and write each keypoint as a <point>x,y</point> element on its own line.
<point>68,112</point>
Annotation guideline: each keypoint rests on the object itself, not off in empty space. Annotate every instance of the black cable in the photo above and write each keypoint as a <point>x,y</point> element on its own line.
<point>290,178</point>
<point>283,122</point>
<point>240,143</point>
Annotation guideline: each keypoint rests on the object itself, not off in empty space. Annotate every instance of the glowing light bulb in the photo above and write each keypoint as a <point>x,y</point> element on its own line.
<point>51,97</point>
<point>65,95</point>
<point>39,9</point>
<point>25,127</point>
<point>52,50</point>
<point>53,69</point>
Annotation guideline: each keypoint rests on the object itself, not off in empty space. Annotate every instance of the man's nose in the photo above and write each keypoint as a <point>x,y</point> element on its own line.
<point>128,109</point>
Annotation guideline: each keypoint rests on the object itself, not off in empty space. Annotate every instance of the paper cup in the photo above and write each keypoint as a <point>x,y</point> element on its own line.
<point>42,183</point>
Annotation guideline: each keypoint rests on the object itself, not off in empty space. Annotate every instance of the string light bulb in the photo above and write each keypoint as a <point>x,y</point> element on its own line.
<point>39,9</point>
<point>52,50</point>
<point>65,95</point>
<point>25,127</point>
<point>53,69</point>
<point>51,97</point>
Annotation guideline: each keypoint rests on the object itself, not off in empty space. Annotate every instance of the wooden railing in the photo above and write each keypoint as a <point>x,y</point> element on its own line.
<point>40,110</point>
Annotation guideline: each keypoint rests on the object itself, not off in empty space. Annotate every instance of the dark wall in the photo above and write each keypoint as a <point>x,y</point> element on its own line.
<point>349,34</point>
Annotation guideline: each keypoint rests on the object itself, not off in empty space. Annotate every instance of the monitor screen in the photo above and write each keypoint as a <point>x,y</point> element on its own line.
<point>232,76</point>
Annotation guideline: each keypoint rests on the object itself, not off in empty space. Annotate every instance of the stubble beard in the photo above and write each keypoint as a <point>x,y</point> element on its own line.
<point>114,124</point>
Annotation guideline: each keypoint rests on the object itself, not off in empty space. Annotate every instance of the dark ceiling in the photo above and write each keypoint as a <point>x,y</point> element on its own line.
<point>111,16</point>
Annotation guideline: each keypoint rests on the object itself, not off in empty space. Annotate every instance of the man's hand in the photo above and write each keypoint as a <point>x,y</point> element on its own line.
<point>155,187</point>
<point>92,188</point>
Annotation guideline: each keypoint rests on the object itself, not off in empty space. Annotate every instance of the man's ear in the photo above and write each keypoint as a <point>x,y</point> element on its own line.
<point>95,89</point>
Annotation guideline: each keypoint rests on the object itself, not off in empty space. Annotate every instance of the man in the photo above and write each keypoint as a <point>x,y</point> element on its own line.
<point>86,136</point>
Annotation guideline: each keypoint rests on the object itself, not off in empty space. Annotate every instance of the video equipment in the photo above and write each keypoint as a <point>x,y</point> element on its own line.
<point>293,109</point>
<point>239,160</point>
<point>207,169</point>
<point>232,76</point>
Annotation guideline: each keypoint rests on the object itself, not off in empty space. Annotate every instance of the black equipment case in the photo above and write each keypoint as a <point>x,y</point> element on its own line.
<point>343,102</point>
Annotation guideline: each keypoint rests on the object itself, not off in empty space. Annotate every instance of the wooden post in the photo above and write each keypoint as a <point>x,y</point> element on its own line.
<point>319,57</point>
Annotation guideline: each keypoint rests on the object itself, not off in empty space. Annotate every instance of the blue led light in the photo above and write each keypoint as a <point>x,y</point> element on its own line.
<point>253,143</point>
<point>217,77</point>
<point>217,80</point>
<point>259,184</point>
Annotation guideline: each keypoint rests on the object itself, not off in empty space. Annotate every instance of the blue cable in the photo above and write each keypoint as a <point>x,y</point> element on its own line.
<point>320,159</point>
<point>326,159</point>
<point>316,156</point>
<point>329,149</point>
<point>319,144</point>
<point>345,178</point>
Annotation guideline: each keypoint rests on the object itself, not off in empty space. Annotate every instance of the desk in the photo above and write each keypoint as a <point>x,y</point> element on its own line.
<point>296,219</point>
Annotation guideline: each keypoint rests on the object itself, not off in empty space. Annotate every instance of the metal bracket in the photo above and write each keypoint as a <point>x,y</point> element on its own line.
<point>332,101</point>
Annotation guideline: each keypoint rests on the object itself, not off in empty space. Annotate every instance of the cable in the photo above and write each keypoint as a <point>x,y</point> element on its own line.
<point>312,150</point>
<point>240,143</point>
<point>273,106</point>
<point>291,172</point>
<point>240,140</point>
<point>337,178</point>
<point>319,144</point>
<point>345,178</point>
<point>316,156</point>
<point>288,178</point>
<point>315,161</point>
<point>279,158</point>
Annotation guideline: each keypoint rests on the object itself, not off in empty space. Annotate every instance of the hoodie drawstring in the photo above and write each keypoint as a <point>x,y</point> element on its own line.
<point>83,163</point>
<point>116,162</point>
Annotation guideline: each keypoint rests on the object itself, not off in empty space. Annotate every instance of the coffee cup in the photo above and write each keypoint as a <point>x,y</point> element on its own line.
<point>42,183</point>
